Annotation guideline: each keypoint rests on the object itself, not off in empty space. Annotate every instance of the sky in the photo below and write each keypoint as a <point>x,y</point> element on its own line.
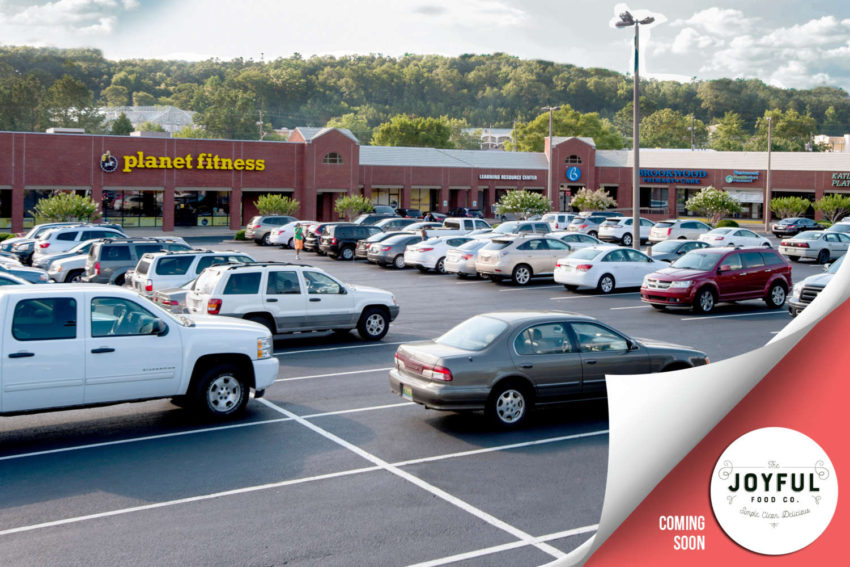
<point>789,44</point>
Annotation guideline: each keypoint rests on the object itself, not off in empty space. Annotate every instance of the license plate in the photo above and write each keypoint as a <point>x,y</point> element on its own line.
<point>568,268</point>
<point>407,393</point>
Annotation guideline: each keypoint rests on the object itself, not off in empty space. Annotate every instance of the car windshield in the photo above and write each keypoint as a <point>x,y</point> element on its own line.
<point>473,245</point>
<point>507,227</point>
<point>666,246</point>
<point>696,261</point>
<point>476,333</point>
<point>586,254</point>
<point>497,244</point>
<point>721,231</point>
<point>664,224</point>
<point>809,235</point>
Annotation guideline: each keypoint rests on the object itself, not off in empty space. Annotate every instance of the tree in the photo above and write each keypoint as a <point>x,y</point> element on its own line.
<point>122,126</point>
<point>523,203</point>
<point>587,200</point>
<point>413,131</point>
<point>115,95</point>
<point>189,132</point>
<point>356,123</point>
<point>461,137</point>
<point>70,104</point>
<point>833,207</point>
<point>141,98</point>
<point>713,203</point>
<point>228,113</point>
<point>787,207</point>
<point>566,122</point>
<point>668,128</point>
<point>729,134</point>
<point>276,204</point>
<point>65,207</point>
<point>350,206</point>
<point>792,131</point>
<point>148,126</point>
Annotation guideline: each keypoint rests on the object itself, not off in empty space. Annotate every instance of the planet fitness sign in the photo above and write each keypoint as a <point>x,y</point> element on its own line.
<point>679,176</point>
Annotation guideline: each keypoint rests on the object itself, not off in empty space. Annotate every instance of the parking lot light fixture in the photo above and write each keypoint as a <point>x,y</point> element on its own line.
<point>549,190</point>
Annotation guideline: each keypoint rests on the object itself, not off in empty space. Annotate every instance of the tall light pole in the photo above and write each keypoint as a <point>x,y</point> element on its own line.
<point>766,208</point>
<point>627,20</point>
<point>549,191</point>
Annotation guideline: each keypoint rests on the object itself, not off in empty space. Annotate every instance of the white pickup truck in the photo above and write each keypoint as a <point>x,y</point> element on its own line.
<point>80,345</point>
<point>454,226</point>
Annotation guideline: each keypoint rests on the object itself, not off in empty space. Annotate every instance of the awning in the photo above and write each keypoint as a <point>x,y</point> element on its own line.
<point>747,196</point>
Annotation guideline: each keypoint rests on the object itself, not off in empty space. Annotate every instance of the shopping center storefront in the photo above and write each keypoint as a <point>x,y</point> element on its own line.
<point>168,183</point>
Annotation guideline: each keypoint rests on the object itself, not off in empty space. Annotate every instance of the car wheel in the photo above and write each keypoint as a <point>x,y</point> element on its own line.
<point>823,256</point>
<point>626,240</point>
<point>462,276</point>
<point>75,277</point>
<point>221,392</point>
<point>521,274</point>
<point>398,262</point>
<point>422,269</point>
<point>120,280</point>
<point>509,404</point>
<point>290,244</point>
<point>570,287</point>
<point>704,300</point>
<point>593,233</point>
<point>682,238</point>
<point>373,324</point>
<point>440,268</point>
<point>776,296</point>
<point>347,253</point>
<point>262,320</point>
<point>606,283</point>
<point>794,258</point>
<point>766,245</point>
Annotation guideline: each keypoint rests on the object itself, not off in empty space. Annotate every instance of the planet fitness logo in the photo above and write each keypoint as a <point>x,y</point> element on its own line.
<point>108,162</point>
<point>774,491</point>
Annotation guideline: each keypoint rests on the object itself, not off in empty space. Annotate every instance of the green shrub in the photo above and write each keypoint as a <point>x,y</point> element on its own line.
<point>5,235</point>
<point>66,207</point>
<point>276,204</point>
<point>240,235</point>
<point>726,222</point>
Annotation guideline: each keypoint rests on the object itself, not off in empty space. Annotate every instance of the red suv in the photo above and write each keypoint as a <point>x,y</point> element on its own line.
<point>702,278</point>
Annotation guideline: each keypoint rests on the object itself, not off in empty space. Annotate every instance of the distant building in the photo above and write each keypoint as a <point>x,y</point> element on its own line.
<point>171,119</point>
<point>835,143</point>
<point>492,138</point>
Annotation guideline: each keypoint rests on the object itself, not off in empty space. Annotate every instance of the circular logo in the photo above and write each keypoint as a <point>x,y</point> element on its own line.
<point>573,173</point>
<point>774,491</point>
<point>108,163</point>
<point>729,179</point>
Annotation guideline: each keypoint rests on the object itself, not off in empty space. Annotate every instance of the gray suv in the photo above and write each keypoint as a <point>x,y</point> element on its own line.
<point>110,258</point>
<point>259,228</point>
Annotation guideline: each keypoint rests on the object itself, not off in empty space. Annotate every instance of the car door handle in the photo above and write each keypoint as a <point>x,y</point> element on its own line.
<point>315,299</point>
<point>527,366</point>
<point>102,349</point>
<point>590,362</point>
<point>272,300</point>
<point>21,354</point>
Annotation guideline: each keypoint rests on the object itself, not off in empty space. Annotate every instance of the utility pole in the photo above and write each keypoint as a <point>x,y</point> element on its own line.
<point>549,190</point>
<point>514,136</point>
<point>260,124</point>
<point>766,207</point>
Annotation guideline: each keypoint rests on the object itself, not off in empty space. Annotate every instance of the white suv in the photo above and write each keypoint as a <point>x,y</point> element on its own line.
<point>289,298</point>
<point>619,229</point>
<point>162,270</point>
<point>61,239</point>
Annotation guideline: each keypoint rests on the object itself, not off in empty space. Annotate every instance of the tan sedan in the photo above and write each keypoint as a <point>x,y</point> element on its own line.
<point>520,257</point>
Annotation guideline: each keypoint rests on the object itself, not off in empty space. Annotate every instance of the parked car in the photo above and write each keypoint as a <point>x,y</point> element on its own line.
<point>702,278</point>
<point>383,210</point>
<point>390,252</point>
<point>340,240</point>
<point>587,225</point>
<point>373,218</point>
<point>431,254</point>
<point>508,363</point>
<point>362,249</point>
<point>70,266</point>
<point>32,275</point>
<point>435,216</point>
<point>677,229</point>
<point>522,227</point>
<point>80,249</point>
<point>731,236</point>
<point>161,270</point>
<point>672,250</point>
<point>793,225</point>
<point>61,239</point>
<point>842,226</point>
<point>427,225</point>
<point>462,225</point>
<point>461,260</point>
<point>11,279</point>
<point>24,248</point>
<point>576,240</point>
<point>259,227</point>
<point>558,221</point>
<point>804,292</point>
<point>605,268</point>
<point>110,258</point>
<point>520,257</point>
<point>80,345</point>
<point>466,212</point>
<point>9,244</point>
<point>313,236</point>
<point>392,224</point>
<point>173,299</point>
<point>289,298</point>
<point>818,245</point>
<point>283,236</point>
<point>619,229</point>
<point>409,213</point>
<point>606,214</point>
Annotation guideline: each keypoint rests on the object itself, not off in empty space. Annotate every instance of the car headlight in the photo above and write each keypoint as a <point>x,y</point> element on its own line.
<point>264,347</point>
<point>796,290</point>
<point>395,301</point>
<point>681,284</point>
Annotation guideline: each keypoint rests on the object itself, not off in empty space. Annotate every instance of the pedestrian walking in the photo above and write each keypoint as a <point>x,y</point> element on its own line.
<point>299,240</point>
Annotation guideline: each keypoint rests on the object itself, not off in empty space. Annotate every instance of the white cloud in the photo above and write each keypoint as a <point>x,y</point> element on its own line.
<point>90,17</point>
<point>471,13</point>
<point>822,31</point>
<point>690,40</point>
<point>720,22</point>
<point>795,73</point>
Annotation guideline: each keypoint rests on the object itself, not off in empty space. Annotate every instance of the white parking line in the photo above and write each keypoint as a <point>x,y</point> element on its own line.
<point>706,317</point>
<point>630,307</point>
<point>609,296</point>
<point>504,547</point>
<point>372,345</point>
<point>294,378</point>
<point>529,288</point>
<point>442,494</point>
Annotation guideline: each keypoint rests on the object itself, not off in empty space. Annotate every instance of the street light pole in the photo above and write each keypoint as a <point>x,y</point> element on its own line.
<point>627,20</point>
<point>549,191</point>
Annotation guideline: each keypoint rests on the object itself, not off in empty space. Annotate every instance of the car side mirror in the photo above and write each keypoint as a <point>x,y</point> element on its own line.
<point>680,252</point>
<point>631,345</point>
<point>724,268</point>
<point>159,328</point>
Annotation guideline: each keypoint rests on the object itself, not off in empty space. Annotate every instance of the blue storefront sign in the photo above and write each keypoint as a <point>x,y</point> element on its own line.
<point>573,173</point>
<point>742,177</point>
<point>677,176</point>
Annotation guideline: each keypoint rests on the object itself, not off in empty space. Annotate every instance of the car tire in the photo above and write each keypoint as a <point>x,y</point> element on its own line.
<point>570,287</point>
<point>373,324</point>
<point>823,256</point>
<point>120,281</point>
<point>495,278</point>
<point>266,240</point>
<point>521,274</point>
<point>75,276</point>
<point>593,233</point>
<point>422,269</point>
<point>766,245</point>
<point>607,284</point>
<point>794,258</point>
<point>509,404</point>
<point>776,296</point>
<point>704,301</point>
<point>626,240</point>
<point>682,238</point>
<point>347,253</point>
<point>262,320</point>
<point>398,262</point>
<point>462,276</point>
<point>290,244</point>
<point>440,267</point>
<point>221,392</point>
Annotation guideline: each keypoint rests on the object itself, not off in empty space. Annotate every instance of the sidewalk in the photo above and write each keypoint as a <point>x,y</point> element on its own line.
<point>184,232</point>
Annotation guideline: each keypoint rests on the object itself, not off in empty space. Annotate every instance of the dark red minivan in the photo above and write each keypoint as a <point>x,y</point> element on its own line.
<point>702,278</point>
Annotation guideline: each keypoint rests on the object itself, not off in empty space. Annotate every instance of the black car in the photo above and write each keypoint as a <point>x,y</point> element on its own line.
<point>372,218</point>
<point>409,213</point>
<point>793,225</point>
<point>672,250</point>
<point>340,240</point>
<point>466,212</point>
<point>314,236</point>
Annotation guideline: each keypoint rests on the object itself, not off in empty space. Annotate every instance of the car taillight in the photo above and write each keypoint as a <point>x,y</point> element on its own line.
<point>256,226</point>
<point>149,285</point>
<point>466,256</point>
<point>424,249</point>
<point>97,268</point>
<point>584,267</point>
<point>44,245</point>
<point>559,265</point>
<point>718,238</point>
<point>386,248</point>
<point>669,230</point>
<point>213,306</point>
<point>436,372</point>
<point>582,226</point>
<point>333,241</point>
<point>802,245</point>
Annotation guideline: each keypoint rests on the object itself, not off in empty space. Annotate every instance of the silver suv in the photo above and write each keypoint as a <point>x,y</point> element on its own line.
<point>259,228</point>
<point>162,270</point>
<point>290,298</point>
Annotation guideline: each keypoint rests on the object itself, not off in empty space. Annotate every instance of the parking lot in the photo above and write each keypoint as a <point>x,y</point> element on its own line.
<point>330,468</point>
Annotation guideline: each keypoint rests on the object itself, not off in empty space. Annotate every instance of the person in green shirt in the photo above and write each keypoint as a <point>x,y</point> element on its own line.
<point>299,240</point>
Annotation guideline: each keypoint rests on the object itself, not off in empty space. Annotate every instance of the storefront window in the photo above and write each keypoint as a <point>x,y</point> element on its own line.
<point>32,197</point>
<point>653,198</point>
<point>391,197</point>
<point>132,208</point>
<point>5,209</point>
<point>420,199</point>
<point>202,208</point>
